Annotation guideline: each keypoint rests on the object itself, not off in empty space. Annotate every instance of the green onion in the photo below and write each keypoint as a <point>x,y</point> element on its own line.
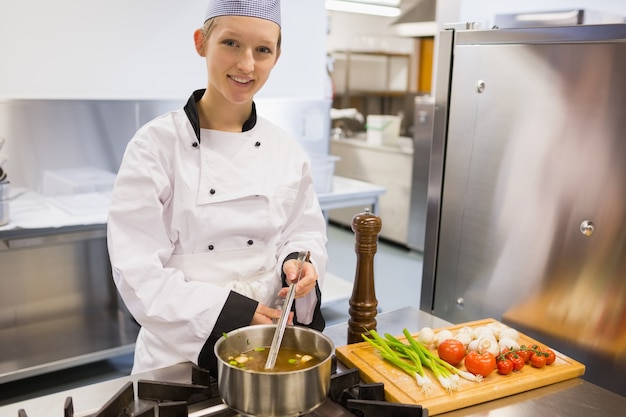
<point>440,362</point>
<point>412,357</point>
<point>394,356</point>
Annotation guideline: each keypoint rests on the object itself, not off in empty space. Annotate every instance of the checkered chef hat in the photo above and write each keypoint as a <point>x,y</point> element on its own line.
<point>263,9</point>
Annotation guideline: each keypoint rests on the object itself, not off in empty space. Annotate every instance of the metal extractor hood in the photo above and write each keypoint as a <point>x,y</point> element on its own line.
<point>418,20</point>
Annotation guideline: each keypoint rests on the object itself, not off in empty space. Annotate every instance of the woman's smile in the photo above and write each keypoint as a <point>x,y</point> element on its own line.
<point>240,80</point>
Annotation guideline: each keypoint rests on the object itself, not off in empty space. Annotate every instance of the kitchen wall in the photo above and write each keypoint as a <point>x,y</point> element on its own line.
<point>77,78</point>
<point>140,49</point>
<point>353,31</point>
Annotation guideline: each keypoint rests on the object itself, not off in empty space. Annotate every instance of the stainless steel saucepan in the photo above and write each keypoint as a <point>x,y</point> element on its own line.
<point>270,393</point>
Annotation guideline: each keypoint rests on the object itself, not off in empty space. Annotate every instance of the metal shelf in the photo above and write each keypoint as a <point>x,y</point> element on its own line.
<point>346,78</point>
<point>59,307</point>
<point>28,238</point>
<point>64,342</point>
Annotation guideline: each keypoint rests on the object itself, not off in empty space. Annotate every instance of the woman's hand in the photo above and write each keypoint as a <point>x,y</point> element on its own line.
<point>306,283</point>
<point>267,315</point>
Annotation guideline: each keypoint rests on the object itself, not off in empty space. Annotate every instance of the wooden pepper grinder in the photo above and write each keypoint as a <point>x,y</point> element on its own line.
<point>363,302</point>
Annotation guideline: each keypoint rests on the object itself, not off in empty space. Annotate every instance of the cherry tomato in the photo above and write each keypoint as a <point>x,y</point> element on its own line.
<point>517,360</point>
<point>505,366</point>
<point>538,359</point>
<point>551,356</point>
<point>524,353</point>
<point>451,351</point>
<point>480,363</point>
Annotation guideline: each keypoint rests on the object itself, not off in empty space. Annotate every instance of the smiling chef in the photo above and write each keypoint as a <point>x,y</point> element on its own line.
<point>212,204</point>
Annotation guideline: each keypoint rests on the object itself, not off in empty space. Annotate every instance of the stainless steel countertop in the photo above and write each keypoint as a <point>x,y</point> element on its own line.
<point>572,398</point>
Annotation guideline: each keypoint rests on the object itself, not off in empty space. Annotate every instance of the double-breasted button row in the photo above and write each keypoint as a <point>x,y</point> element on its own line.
<point>250,242</point>
<point>195,144</point>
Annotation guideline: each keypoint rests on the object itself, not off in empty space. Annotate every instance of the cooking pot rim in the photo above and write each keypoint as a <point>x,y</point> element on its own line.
<point>273,326</point>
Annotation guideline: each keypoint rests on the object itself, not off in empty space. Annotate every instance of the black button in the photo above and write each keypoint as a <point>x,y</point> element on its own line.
<point>257,144</point>
<point>250,242</point>
<point>211,247</point>
<point>212,191</point>
<point>195,144</point>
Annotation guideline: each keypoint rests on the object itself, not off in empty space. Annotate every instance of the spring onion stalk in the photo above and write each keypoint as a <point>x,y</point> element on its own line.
<point>426,352</point>
<point>413,369</point>
<point>443,375</point>
<point>405,351</point>
<point>413,357</point>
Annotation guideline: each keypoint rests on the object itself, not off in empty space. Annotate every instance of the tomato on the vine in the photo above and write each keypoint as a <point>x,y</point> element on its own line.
<point>524,353</point>
<point>480,363</point>
<point>538,359</point>
<point>518,361</point>
<point>551,356</point>
<point>451,351</point>
<point>504,365</point>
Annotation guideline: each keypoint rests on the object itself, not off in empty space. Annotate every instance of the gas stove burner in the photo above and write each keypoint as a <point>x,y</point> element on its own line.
<point>368,400</point>
<point>347,397</point>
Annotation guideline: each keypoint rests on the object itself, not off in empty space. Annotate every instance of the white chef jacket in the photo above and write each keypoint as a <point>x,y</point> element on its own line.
<point>199,226</point>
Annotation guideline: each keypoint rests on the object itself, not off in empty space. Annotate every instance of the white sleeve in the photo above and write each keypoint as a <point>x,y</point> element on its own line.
<point>306,230</point>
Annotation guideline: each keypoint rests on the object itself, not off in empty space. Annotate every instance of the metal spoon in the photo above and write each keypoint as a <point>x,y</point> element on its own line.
<point>282,321</point>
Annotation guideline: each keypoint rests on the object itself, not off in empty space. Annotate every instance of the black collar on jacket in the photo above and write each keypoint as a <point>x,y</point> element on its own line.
<point>191,110</point>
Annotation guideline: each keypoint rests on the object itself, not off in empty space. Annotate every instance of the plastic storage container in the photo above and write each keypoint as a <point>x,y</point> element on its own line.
<point>382,129</point>
<point>323,170</point>
<point>76,181</point>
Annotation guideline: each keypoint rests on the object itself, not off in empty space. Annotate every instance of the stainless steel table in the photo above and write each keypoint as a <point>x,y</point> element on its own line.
<point>348,192</point>
<point>572,398</point>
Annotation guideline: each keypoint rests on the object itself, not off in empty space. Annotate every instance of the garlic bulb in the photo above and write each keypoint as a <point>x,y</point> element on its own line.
<point>483,331</point>
<point>508,343</point>
<point>443,335</point>
<point>464,338</point>
<point>485,344</point>
<point>466,330</point>
<point>426,336</point>
<point>509,333</point>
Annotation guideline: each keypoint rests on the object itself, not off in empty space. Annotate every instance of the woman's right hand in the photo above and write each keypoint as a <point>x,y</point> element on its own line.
<point>267,315</point>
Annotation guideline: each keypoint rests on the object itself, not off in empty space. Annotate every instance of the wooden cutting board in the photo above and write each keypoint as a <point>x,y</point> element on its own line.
<point>401,388</point>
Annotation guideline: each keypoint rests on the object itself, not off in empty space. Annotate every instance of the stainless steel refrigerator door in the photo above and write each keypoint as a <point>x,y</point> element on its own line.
<point>532,223</point>
<point>422,140</point>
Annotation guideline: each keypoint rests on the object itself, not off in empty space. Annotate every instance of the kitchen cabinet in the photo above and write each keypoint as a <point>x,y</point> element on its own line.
<point>390,166</point>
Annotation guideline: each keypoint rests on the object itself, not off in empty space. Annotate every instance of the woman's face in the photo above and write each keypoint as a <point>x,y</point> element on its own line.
<point>240,54</point>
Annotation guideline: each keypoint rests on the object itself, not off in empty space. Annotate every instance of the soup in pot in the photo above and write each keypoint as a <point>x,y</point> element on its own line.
<point>288,359</point>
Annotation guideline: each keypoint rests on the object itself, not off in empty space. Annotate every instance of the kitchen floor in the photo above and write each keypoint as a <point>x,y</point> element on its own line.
<point>397,274</point>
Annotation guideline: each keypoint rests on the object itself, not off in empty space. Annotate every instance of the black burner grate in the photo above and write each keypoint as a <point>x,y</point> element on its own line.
<point>347,397</point>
